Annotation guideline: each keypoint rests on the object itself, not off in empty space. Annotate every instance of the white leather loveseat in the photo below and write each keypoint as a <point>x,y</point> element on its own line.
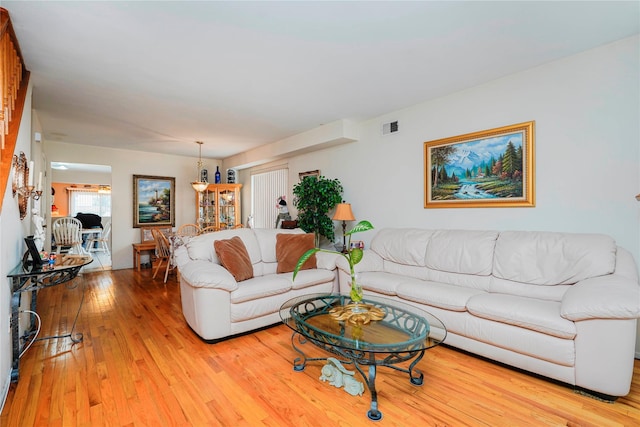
<point>217,306</point>
<point>557,304</point>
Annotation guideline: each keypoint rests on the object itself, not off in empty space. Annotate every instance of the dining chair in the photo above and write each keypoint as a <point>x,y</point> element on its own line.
<point>163,252</point>
<point>188,230</point>
<point>100,240</point>
<point>209,229</point>
<point>67,234</point>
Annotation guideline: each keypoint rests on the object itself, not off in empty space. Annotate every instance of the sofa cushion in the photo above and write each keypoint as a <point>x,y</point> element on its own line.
<point>449,297</point>
<point>201,247</point>
<point>462,251</point>
<point>378,281</point>
<point>546,258</point>
<point>310,277</point>
<point>537,315</point>
<point>289,249</point>
<point>266,238</point>
<point>402,245</point>
<point>234,257</point>
<point>260,287</point>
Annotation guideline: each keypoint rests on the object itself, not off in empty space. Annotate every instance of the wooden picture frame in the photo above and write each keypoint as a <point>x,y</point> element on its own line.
<point>153,201</point>
<point>146,235</point>
<point>303,175</point>
<point>490,168</point>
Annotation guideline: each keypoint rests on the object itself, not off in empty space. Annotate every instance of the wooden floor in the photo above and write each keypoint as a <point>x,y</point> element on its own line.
<point>140,365</point>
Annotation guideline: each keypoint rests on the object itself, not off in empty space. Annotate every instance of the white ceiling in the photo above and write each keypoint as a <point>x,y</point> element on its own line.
<point>156,76</point>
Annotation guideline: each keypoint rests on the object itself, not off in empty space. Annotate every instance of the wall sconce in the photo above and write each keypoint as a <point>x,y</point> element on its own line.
<point>23,171</point>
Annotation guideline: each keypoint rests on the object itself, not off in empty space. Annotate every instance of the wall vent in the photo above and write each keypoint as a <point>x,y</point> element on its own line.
<point>389,128</point>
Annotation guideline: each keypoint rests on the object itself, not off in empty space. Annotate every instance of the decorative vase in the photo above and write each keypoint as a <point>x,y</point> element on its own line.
<point>356,291</point>
<point>356,295</point>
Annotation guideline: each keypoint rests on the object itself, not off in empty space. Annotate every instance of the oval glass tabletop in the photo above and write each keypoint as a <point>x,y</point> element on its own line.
<point>396,326</point>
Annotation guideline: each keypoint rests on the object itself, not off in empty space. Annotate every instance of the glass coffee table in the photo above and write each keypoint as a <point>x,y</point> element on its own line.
<point>402,334</point>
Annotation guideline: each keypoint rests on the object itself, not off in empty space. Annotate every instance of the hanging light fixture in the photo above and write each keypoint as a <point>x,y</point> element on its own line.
<point>198,185</point>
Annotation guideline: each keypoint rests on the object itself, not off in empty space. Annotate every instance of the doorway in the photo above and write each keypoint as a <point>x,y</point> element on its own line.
<point>85,189</point>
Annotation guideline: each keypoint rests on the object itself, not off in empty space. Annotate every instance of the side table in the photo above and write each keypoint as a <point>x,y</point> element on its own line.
<point>34,278</point>
<point>138,248</point>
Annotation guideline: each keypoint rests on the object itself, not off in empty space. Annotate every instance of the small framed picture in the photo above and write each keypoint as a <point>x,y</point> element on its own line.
<point>147,236</point>
<point>356,244</point>
<point>303,175</point>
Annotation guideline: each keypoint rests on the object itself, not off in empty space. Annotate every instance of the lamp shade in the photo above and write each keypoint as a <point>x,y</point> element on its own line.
<point>343,212</point>
<point>199,186</point>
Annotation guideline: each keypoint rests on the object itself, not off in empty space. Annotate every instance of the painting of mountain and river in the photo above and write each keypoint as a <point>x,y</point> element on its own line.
<point>153,200</point>
<point>481,169</point>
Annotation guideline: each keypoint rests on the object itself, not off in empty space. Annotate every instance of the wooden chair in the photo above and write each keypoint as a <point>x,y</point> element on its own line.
<point>163,252</point>
<point>102,240</point>
<point>209,229</point>
<point>67,234</point>
<point>188,230</point>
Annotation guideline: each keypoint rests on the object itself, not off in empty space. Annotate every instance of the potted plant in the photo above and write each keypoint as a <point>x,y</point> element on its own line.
<point>314,197</point>
<point>353,256</point>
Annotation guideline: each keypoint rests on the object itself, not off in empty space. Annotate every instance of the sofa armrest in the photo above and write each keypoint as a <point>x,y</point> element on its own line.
<point>327,261</point>
<point>181,256</point>
<point>370,261</point>
<point>605,297</point>
<point>206,274</point>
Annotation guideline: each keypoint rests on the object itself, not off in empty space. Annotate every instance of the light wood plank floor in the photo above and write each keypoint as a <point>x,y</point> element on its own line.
<point>140,365</point>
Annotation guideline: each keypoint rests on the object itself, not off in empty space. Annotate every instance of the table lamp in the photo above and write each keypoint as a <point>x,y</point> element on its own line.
<point>344,214</point>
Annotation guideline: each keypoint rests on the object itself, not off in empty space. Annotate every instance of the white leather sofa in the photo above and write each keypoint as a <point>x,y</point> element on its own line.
<point>216,306</point>
<point>556,304</point>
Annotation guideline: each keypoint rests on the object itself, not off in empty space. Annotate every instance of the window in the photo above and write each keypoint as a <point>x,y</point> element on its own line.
<point>89,201</point>
<point>266,187</point>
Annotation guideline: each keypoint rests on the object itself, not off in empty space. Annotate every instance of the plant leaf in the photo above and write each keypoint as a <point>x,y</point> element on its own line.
<point>361,226</point>
<point>304,259</point>
<point>356,255</point>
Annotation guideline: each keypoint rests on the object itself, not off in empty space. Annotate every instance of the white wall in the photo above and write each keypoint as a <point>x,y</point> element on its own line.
<point>124,164</point>
<point>12,232</point>
<point>587,146</point>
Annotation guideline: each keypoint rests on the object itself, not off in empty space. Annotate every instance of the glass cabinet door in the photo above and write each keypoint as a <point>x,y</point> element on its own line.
<point>227,199</point>
<point>219,206</point>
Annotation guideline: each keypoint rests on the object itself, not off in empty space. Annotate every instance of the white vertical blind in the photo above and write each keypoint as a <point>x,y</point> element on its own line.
<point>265,189</point>
<point>89,202</point>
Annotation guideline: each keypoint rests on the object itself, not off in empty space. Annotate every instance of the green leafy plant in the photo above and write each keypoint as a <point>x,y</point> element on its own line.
<point>314,197</point>
<point>353,256</point>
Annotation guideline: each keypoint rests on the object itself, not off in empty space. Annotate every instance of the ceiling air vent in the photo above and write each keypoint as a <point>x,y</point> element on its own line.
<point>389,128</point>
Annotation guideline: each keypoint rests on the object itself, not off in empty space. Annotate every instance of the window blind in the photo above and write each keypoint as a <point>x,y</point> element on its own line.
<point>265,189</point>
<point>89,201</point>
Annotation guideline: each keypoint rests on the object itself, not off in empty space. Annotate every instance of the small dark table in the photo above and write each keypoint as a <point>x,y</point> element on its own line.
<point>34,278</point>
<point>403,334</point>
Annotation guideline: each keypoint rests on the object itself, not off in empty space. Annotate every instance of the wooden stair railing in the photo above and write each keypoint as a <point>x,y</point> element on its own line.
<point>14,80</point>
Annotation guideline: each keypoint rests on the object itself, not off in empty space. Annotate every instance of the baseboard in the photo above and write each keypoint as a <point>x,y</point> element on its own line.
<point>638,355</point>
<point>5,390</point>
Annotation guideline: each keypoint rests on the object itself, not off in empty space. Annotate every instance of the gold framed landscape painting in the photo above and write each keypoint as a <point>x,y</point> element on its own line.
<point>490,168</point>
<point>153,200</point>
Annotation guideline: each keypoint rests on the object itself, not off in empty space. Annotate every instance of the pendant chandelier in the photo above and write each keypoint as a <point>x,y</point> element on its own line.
<point>198,185</point>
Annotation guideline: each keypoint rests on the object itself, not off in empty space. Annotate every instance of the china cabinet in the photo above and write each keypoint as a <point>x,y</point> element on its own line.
<point>219,206</point>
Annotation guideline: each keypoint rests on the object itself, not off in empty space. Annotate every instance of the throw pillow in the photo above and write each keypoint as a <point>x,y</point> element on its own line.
<point>234,257</point>
<point>289,249</point>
